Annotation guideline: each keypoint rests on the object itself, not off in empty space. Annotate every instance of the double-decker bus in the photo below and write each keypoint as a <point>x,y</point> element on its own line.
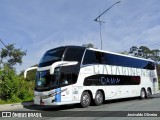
<point>74,74</point>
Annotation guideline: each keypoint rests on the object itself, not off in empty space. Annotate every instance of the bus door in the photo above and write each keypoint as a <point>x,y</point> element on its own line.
<point>67,79</point>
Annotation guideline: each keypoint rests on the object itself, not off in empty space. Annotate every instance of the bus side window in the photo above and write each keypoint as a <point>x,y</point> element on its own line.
<point>110,59</point>
<point>94,57</point>
<point>89,57</point>
<point>151,66</point>
<point>74,54</point>
<point>100,58</point>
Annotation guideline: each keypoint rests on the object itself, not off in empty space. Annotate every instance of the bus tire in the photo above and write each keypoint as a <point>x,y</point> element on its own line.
<point>149,93</point>
<point>98,98</point>
<point>143,94</point>
<point>85,99</point>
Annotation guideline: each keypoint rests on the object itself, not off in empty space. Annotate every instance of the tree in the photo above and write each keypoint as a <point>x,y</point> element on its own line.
<point>142,51</point>
<point>145,52</point>
<point>89,45</point>
<point>13,88</point>
<point>133,51</point>
<point>11,56</point>
<point>125,53</point>
<point>31,75</point>
<point>155,55</point>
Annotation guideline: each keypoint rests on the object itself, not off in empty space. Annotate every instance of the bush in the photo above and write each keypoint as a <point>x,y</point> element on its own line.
<point>14,88</point>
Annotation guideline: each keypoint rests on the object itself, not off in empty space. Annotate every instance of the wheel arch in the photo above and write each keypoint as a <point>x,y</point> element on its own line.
<point>90,93</point>
<point>143,88</point>
<point>149,88</point>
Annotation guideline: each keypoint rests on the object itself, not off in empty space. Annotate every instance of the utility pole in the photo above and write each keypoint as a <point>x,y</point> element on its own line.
<point>100,22</point>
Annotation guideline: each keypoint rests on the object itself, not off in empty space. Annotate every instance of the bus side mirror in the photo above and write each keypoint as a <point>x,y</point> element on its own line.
<point>31,68</point>
<point>61,63</point>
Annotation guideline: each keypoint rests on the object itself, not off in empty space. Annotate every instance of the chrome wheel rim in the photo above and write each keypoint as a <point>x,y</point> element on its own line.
<point>99,98</point>
<point>85,99</point>
<point>143,94</point>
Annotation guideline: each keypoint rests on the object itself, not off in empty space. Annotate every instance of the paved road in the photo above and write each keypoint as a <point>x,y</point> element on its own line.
<point>115,108</point>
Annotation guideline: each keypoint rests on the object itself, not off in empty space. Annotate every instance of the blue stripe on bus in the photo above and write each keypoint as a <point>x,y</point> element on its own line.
<point>58,96</point>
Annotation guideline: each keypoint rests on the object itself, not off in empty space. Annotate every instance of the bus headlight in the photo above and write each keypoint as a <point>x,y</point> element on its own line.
<point>51,95</point>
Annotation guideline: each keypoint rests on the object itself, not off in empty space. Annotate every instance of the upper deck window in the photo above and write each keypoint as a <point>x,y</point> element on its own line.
<point>51,56</point>
<point>95,57</point>
<point>74,54</point>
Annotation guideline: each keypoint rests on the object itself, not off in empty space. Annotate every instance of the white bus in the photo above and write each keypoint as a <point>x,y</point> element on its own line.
<point>74,74</point>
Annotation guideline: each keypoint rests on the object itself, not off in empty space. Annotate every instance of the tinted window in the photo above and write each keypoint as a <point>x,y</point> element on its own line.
<point>105,80</point>
<point>64,75</point>
<point>51,56</point>
<point>74,54</point>
<point>110,59</point>
<point>129,62</point>
<point>69,74</point>
<point>94,57</point>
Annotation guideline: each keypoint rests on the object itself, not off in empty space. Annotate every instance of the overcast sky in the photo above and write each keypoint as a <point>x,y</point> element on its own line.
<point>39,25</point>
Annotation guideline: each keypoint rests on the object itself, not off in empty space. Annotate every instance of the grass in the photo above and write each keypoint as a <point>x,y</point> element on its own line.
<point>17,101</point>
<point>8,102</point>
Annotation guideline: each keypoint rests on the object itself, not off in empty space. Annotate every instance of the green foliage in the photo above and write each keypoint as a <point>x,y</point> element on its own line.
<point>125,53</point>
<point>11,56</point>
<point>31,75</point>
<point>14,88</point>
<point>145,52</point>
<point>89,45</point>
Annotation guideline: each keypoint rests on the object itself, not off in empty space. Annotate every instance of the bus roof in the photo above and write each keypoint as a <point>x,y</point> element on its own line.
<point>107,52</point>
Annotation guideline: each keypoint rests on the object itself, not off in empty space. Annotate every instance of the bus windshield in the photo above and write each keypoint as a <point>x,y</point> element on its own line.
<point>45,81</point>
<point>51,56</point>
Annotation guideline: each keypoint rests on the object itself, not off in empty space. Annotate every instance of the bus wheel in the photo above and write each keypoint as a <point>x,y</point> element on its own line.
<point>148,94</point>
<point>143,94</point>
<point>85,99</point>
<point>98,98</point>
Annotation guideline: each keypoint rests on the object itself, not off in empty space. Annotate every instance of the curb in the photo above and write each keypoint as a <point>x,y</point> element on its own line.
<point>8,107</point>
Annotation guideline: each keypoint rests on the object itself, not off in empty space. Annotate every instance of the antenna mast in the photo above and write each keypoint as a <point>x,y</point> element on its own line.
<point>100,22</point>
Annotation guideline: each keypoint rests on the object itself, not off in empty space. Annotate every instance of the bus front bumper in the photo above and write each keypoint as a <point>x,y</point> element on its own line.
<point>47,101</point>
